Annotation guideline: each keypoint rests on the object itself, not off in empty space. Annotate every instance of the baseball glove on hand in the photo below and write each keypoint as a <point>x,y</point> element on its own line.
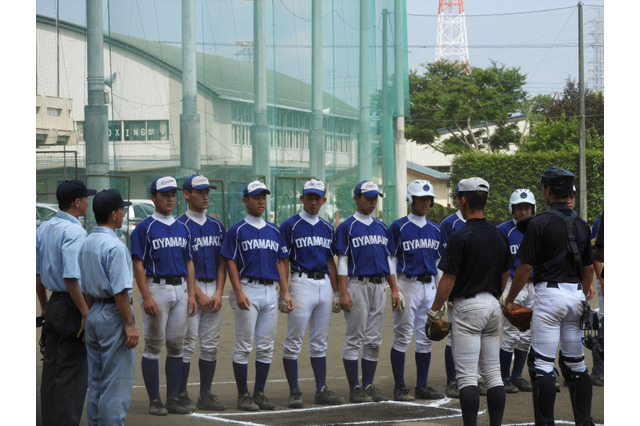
<point>402,303</point>
<point>437,328</point>
<point>282,304</point>
<point>519,316</point>
<point>336,302</point>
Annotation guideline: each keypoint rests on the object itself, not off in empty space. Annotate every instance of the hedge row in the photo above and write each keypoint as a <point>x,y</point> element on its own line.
<point>505,173</point>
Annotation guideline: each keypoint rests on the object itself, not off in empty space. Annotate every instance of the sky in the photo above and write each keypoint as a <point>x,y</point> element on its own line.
<point>539,37</point>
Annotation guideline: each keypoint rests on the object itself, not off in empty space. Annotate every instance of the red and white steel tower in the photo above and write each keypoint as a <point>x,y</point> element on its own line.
<point>451,43</point>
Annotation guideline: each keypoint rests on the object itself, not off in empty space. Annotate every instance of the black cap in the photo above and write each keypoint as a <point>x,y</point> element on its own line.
<point>559,180</point>
<point>69,190</point>
<point>107,201</point>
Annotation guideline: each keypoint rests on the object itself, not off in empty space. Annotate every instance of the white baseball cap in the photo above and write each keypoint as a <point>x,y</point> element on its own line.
<point>254,188</point>
<point>473,184</point>
<point>197,182</point>
<point>368,189</point>
<point>315,186</point>
<point>163,184</point>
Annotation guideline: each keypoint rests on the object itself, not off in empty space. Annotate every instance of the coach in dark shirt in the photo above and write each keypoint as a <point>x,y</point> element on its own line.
<point>563,277</point>
<point>476,266</point>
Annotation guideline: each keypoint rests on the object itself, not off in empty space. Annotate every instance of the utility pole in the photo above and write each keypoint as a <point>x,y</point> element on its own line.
<point>582,174</point>
<point>316,133</point>
<point>189,119</point>
<point>95,112</point>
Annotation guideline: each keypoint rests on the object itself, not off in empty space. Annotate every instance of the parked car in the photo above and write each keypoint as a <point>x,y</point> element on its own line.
<point>138,210</point>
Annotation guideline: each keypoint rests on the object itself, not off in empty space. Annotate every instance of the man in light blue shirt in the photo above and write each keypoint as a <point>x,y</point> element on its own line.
<point>64,367</point>
<point>111,335</point>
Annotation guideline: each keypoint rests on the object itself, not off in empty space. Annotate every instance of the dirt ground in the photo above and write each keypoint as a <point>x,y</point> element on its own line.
<point>444,412</point>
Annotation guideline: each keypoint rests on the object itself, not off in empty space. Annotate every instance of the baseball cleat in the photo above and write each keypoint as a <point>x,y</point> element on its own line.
<point>186,402</point>
<point>295,399</point>
<point>174,407</point>
<point>426,392</point>
<point>509,386</point>
<point>372,392</point>
<point>522,384</point>
<point>245,402</point>
<point>357,395</point>
<point>327,397</point>
<point>263,402</point>
<point>452,390</point>
<point>210,402</point>
<point>157,408</point>
<point>402,393</point>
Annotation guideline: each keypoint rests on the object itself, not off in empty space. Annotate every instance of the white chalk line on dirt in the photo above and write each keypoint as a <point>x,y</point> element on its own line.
<point>227,417</point>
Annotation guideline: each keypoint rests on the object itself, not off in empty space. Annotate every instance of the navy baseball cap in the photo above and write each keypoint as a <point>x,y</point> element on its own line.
<point>164,184</point>
<point>69,190</point>
<point>368,189</point>
<point>108,200</point>
<point>197,182</point>
<point>315,186</point>
<point>474,184</point>
<point>254,188</point>
<point>559,180</point>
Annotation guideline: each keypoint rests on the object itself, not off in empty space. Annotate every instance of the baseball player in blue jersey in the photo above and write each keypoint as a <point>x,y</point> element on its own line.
<point>364,267</point>
<point>416,247</point>
<point>64,367</point>
<point>207,234</point>
<point>312,285</point>
<point>448,226</point>
<point>516,343</point>
<point>164,272</point>
<point>111,335</point>
<point>256,254</point>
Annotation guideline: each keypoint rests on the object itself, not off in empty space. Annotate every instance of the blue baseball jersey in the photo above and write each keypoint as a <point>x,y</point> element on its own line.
<point>310,245</point>
<point>515,238</point>
<point>366,246</point>
<point>206,243</point>
<point>450,224</point>
<point>255,250</point>
<point>416,248</point>
<point>164,249</point>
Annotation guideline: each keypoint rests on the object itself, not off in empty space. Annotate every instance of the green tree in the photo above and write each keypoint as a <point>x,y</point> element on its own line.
<point>555,124</point>
<point>448,101</point>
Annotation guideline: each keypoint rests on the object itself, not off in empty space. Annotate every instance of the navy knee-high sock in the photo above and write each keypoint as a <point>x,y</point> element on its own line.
<point>186,367</point>
<point>368,372</point>
<point>505,363</point>
<point>151,377</point>
<point>351,371</point>
<point>319,367</point>
<point>291,372</point>
<point>496,400</point>
<point>397,367</point>
<point>207,371</point>
<point>262,371</point>
<point>449,365</point>
<point>469,404</point>
<point>240,374</point>
<point>423,360</point>
<point>173,370</point>
<point>519,360</point>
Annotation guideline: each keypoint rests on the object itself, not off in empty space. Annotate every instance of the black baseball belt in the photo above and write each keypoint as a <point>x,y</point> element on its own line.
<point>426,278</point>
<point>375,279</point>
<point>168,280</point>
<point>314,275</point>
